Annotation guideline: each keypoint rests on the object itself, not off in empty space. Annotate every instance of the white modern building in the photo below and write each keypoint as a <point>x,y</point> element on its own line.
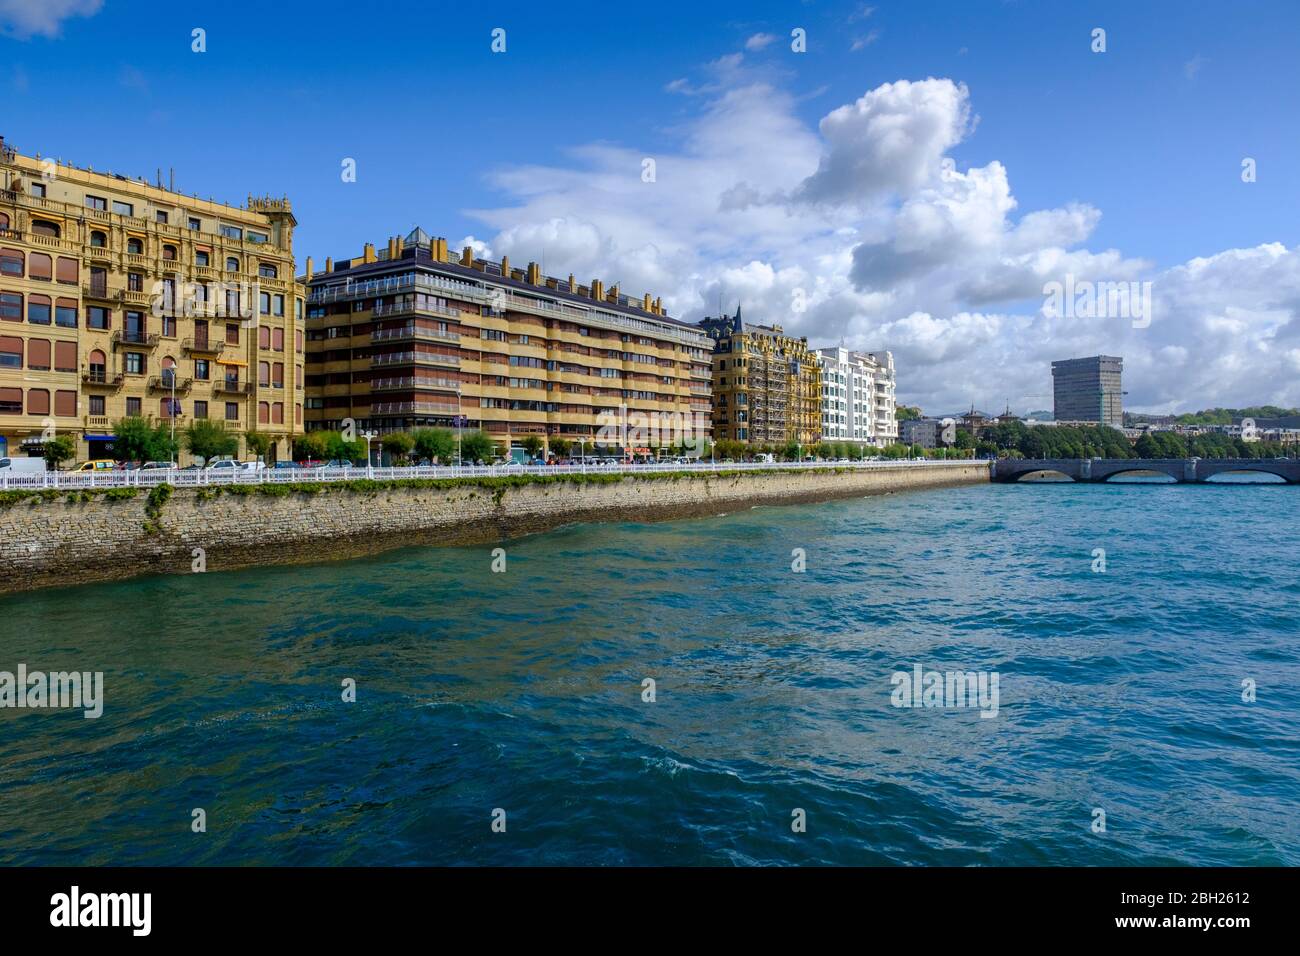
<point>858,396</point>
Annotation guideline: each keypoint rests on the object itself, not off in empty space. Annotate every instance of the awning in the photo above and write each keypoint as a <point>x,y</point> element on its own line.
<point>100,437</point>
<point>239,362</point>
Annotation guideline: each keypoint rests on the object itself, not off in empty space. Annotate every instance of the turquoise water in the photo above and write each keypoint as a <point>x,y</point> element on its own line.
<point>522,691</point>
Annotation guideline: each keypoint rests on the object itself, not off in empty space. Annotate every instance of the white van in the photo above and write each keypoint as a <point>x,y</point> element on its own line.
<point>23,466</point>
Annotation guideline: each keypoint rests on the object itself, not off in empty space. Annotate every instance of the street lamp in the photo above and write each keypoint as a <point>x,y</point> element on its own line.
<point>367,436</point>
<point>460,424</point>
<point>169,375</point>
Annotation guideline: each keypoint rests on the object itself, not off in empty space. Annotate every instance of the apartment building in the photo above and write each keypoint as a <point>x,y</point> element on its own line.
<point>123,298</point>
<point>411,336</point>
<point>1089,390</point>
<point>767,385</point>
<point>858,403</point>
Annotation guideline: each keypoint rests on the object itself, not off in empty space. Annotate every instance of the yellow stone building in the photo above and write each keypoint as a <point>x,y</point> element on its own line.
<point>766,385</point>
<point>116,294</point>
<point>412,336</point>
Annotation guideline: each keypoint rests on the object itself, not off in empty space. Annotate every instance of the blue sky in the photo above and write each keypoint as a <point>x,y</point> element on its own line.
<point>1150,134</point>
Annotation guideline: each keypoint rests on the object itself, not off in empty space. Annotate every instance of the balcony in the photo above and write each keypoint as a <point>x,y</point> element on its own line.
<point>400,308</point>
<point>158,384</point>
<point>413,332</point>
<point>419,408</point>
<point>232,387</point>
<point>131,337</point>
<point>99,423</point>
<point>204,345</point>
<point>414,358</point>
<point>97,290</point>
<point>101,377</point>
<point>405,382</point>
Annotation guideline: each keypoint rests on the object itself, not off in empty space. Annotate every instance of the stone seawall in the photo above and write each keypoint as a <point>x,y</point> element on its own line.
<point>67,537</point>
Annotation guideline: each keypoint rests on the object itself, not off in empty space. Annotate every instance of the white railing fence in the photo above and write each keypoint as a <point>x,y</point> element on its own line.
<point>201,477</point>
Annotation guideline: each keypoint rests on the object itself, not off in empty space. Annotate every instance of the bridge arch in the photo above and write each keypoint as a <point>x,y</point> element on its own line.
<point>1177,469</point>
<point>1288,471</point>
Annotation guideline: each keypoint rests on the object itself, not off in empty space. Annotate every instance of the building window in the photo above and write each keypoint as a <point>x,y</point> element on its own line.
<point>65,356</point>
<point>160,216</point>
<point>267,271</point>
<point>232,302</point>
<point>11,262</point>
<point>65,313</point>
<point>277,375</point>
<point>200,409</point>
<point>195,224</point>
<point>169,253</point>
<point>38,309</point>
<point>202,370</point>
<point>38,190</point>
<point>123,208</point>
<point>97,202</point>
<point>263,413</point>
<point>98,240</point>
<point>135,247</point>
<point>135,281</point>
<point>277,305</point>
<point>135,363</point>
<point>133,408</point>
<point>169,326</point>
<point>232,333</point>
<point>202,258</point>
<point>232,264</point>
<point>43,227</point>
<point>277,413</point>
<point>259,237</point>
<point>11,351</point>
<point>97,317</point>
<point>40,266</point>
<point>232,411</point>
<point>277,340</point>
<point>263,374</point>
<point>38,401</point>
<point>11,401</point>
<point>11,306</point>
<point>264,303</point>
<point>232,232</point>
<point>97,404</point>
<point>67,271</point>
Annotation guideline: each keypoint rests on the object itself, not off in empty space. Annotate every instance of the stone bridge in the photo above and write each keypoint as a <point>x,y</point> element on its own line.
<point>1189,470</point>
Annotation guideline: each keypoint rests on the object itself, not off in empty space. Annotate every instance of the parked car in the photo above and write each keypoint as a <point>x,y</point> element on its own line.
<point>98,464</point>
<point>23,466</point>
<point>252,466</point>
<point>280,465</point>
<point>156,465</point>
<point>223,465</point>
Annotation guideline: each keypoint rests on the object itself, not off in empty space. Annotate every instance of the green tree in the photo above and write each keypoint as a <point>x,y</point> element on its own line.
<point>435,444</point>
<point>58,450</point>
<point>338,448</point>
<point>560,447</point>
<point>398,445</point>
<point>310,446</point>
<point>904,413</point>
<point>131,439</point>
<point>257,443</point>
<point>476,446</point>
<point>162,446</point>
<point>533,445</point>
<point>208,439</point>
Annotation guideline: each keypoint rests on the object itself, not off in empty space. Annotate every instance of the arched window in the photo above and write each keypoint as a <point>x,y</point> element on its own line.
<point>43,227</point>
<point>169,252</point>
<point>232,264</point>
<point>135,247</point>
<point>97,364</point>
<point>40,266</point>
<point>98,240</point>
<point>267,271</point>
<point>4,222</point>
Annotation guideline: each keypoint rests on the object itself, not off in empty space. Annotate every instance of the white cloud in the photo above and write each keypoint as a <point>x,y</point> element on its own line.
<point>862,42</point>
<point>867,222</point>
<point>760,41</point>
<point>27,18</point>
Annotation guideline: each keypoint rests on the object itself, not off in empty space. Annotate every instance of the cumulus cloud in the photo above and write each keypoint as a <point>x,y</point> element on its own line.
<point>28,18</point>
<point>864,230</point>
<point>760,41</point>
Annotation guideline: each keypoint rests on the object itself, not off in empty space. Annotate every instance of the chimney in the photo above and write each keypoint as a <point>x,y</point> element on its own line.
<point>505,266</point>
<point>573,283</point>
<point>645,303</point>
<point>329,264</point>
<point>534,274</point>
<point>398,245</point>
<point>467,257</point>
<point>392,249</point>
<point>309,268</point>
<point>597,289</point>
<point>368,252</point>
<point>440,250</point>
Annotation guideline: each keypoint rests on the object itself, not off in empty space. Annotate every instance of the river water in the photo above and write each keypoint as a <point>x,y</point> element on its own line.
<point>518,695</point>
